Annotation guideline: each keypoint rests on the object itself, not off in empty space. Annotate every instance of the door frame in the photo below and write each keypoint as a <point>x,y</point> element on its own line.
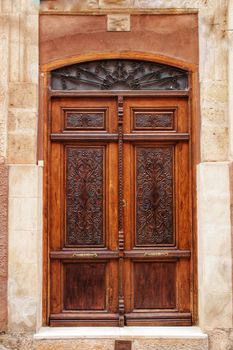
<point>45,95</point>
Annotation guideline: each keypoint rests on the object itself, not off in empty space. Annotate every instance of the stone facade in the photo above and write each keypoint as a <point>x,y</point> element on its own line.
<point>19,57</point>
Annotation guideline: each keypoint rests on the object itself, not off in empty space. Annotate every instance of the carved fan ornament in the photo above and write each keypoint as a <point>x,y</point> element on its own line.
<point>120,74</point>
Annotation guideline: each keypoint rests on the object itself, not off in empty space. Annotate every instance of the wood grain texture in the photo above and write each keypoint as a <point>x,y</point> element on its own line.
<point>84,286</point>
<point>154,285</point>
<point>146,283</point>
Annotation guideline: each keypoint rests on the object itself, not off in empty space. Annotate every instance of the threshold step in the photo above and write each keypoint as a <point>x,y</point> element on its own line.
<point>103,338</point>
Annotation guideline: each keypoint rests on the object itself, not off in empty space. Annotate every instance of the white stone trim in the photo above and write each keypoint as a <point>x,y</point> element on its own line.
<point>124,332</point>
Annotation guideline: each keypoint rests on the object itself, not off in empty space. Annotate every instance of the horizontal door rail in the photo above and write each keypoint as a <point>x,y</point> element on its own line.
<point>102,93</point>
<point>84,137</point>
<point>159,314</point>
<point>151,254</point>
<point>80,315</point>
<point>59,137</point>
<point>148,254</point>
<point>74,254</point>
<point>155,137</point>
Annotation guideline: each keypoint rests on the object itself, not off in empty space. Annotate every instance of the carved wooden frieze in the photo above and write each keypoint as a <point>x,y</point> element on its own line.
<point>119,74</point>
<point>154,199</point>
<point>84,120</point>
<point>84,195</point>
<point>154,120</point>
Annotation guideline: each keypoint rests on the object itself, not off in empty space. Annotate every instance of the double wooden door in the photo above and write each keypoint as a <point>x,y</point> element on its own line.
<point>119,211</point>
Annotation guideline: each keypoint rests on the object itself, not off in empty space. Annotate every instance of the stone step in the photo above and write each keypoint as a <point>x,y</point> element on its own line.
<point>103,338</point>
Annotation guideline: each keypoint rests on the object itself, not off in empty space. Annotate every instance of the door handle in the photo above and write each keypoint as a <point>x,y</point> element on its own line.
<point>85,255</point>
<point>156,254</point>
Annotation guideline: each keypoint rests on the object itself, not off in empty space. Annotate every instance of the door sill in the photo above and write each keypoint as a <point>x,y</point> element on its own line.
<point>118,332</point>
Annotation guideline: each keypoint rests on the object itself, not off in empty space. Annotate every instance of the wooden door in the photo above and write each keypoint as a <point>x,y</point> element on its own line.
<point>119,211</point>
<point>157,216</point>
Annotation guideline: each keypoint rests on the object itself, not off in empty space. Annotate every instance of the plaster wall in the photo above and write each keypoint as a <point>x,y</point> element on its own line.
<point>18,139</point>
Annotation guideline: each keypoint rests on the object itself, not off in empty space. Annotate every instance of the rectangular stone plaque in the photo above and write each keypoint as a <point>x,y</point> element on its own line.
<point>123,345</point>
<point>118,23</point>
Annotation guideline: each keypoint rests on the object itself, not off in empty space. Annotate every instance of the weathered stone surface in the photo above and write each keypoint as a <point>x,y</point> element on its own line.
<point>3,245</point>
<point>118,23</point>
<point>19,62</point>
<point>137,344</point>
<point>115,3</point>
<point>215,274</point>
<point>23,95</point>
<point>25,251</point>
<point>21,149</point>
<point>69,5</point>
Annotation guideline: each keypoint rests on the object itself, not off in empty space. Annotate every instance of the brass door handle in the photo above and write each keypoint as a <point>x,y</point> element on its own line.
<point>156,254</point>
<point>85,255</point>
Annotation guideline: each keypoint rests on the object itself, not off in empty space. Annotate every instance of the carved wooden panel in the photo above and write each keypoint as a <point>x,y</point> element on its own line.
<point>84,286</point>
<point>155,285</point>
<point>85,195</point>
<point>119,74</point>
<point>84,119</point>
<point>154,195</point>
<point>153,120</point>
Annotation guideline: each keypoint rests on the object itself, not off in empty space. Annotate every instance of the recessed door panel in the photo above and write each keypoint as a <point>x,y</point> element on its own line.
<point>85,195</point>
<point>154,285</point>
<point>154,183</point>
<point>85,286</point>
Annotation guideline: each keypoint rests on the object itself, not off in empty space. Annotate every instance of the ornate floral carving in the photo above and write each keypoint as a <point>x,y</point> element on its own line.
<point>84,195</point>
<point>119,74</point>
<point>153,120</point>
<point>154,205</point>
<point>85,120</point>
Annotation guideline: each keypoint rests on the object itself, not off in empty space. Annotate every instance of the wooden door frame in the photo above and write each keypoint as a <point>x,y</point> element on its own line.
<point>45,95</point>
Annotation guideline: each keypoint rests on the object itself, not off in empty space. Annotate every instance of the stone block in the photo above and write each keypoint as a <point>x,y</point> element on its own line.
<point>215,91</point>
<point>6,5</point>
<point>22,313</point>
<point>215,241</point>
<point>23,181</point>
<point>21,122</point>
<point>214,143</point>
<point>22,280</point>
<point>32,63</point>
<point>23,250</point>
<point>115,3</point>
<point>30,29</point>
<point>21,149</point>
<point>23,214</point>
<point>69,5</point>
<point>118,23</point>
<point>216,311</point>
<point>22,95</point>
<point>213,179</point>
<point>143,343</point>
<point>30,6</point>
<point>220,339</point>
<point>214,115</point>
<point>217,274</point>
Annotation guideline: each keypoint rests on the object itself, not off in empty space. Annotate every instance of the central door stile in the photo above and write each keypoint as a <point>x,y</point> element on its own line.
<point>121,217</point>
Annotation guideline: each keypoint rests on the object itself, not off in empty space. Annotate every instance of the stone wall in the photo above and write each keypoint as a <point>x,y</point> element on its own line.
<point>18,140</point>
<point>18,147</point>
